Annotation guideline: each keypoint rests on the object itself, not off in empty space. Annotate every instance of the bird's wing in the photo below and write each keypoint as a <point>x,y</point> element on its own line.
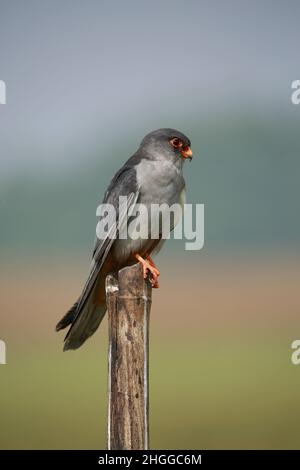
<point>123,184</point>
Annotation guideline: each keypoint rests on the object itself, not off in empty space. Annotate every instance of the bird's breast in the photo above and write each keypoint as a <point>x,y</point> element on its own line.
<point>159,182</point>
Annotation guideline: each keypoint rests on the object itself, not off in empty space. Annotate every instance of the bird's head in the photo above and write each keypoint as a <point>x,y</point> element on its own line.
<point>167,143</point>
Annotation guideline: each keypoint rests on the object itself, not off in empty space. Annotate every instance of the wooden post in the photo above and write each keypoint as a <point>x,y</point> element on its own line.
<point>128,305</point>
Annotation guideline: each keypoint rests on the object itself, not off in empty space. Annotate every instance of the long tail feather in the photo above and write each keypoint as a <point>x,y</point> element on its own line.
<point>68,318</point>
<point>85,325</point>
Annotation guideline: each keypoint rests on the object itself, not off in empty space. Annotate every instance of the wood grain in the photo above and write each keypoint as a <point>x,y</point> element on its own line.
<point>128,303</point>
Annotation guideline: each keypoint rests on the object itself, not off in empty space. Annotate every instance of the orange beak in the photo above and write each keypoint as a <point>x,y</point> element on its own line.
<point>186,152</point>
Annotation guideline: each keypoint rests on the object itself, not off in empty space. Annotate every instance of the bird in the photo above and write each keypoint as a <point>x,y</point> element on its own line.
<point>152,175</point>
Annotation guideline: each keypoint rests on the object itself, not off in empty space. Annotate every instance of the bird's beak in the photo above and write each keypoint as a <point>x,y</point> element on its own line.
<point>186,152</point>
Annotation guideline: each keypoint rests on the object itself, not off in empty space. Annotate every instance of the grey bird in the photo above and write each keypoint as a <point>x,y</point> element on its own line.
<point>153,175</point>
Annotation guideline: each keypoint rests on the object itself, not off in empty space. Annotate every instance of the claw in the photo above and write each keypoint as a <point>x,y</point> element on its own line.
<point>149,266</point>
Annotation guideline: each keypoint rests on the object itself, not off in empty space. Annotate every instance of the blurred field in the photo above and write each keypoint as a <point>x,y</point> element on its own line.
<point>220,369</point>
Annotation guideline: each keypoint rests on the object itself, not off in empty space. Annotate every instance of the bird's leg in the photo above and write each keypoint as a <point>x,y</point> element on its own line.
<point>148,258</point>
<point>148,265</point>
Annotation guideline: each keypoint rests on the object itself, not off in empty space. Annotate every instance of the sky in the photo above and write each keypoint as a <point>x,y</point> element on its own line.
<point>84,74</point>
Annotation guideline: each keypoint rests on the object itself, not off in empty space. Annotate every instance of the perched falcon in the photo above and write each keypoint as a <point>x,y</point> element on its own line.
<point>153,175</point>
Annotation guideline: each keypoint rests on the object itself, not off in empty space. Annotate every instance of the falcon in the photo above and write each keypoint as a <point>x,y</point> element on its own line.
<point>153,175</point>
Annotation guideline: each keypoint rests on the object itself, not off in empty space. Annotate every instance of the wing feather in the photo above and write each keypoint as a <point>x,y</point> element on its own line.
<point>123,184</point>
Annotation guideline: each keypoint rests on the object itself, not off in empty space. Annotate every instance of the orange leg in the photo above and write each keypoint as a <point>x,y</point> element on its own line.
<point>148,265</point>
<point>148,258</point>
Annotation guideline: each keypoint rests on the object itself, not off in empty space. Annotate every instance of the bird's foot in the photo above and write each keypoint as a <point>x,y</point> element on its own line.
<point>148,258</point>
<point>149,266</point>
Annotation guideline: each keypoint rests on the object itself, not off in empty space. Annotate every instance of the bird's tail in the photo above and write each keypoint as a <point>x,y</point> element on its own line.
<point>83,322</point>
<point>84,326</point>
<point>68,318</point>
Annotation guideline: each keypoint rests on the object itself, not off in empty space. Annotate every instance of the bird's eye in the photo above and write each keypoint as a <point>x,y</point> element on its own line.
<point>176,143</point>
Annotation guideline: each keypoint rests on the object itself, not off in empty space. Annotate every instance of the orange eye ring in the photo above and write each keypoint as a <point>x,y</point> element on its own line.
<point>176,142</point>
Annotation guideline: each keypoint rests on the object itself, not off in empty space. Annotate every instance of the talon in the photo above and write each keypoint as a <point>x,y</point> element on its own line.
<point>155,283</point>
<point>149,266</point>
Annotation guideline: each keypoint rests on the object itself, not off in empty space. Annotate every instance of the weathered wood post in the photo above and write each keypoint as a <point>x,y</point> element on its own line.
<point>128,305</point>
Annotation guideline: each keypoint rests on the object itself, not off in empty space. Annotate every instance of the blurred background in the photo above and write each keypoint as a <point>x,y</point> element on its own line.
<point>85,82</point>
